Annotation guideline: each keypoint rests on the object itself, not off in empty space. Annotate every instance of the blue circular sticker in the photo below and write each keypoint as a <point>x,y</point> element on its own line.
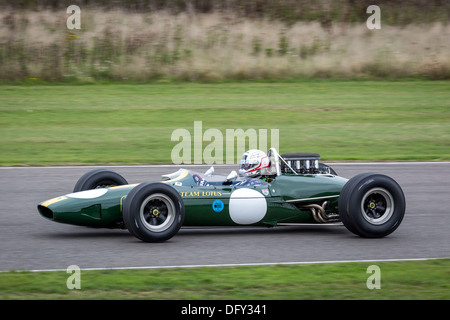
<point>217,205</point>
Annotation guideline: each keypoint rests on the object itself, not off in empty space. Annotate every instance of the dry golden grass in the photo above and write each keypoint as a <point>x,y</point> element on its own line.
<point>121,45</point>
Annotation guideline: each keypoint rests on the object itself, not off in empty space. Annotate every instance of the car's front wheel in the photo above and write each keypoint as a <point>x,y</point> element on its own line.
<point>153,212</point>
<point>371,205</point>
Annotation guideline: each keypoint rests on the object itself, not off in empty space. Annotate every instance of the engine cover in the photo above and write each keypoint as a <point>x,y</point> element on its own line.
<point>301,163</point>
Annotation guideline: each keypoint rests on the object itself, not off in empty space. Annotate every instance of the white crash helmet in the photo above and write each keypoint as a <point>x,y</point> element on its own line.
<point>252,162</point>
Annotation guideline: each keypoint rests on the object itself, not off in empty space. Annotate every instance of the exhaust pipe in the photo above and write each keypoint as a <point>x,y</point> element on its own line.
<point>319,214</point>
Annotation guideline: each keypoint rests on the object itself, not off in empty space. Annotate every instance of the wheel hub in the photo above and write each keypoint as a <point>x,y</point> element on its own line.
<point>157,212</point>
<point>377,206</point>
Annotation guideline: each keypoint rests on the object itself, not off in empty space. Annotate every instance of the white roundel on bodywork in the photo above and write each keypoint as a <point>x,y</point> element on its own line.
<point>247,206</point>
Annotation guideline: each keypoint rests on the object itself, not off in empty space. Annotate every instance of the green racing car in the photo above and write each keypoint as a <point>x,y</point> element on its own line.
<point>269,190</point>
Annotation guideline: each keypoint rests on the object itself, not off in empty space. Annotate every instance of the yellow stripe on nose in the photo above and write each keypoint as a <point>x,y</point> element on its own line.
<point>51,201</point>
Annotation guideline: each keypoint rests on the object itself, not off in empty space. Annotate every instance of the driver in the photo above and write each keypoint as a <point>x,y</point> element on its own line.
<point>252,162</point>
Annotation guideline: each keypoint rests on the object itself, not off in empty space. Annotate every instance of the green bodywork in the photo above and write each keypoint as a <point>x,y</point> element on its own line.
<point>284,196</point>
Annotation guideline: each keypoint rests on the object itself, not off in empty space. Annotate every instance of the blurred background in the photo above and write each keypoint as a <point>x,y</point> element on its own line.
<point>114,91</point>
<point>206,40</point>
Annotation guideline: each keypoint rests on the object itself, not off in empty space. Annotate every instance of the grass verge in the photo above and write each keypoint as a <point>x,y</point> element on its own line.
<point>402,280</point>
<point>133,123</point>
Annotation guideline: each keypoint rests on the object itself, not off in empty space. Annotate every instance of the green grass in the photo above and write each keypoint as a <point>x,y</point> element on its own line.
<point>423,280</point>
<point>133,123</point>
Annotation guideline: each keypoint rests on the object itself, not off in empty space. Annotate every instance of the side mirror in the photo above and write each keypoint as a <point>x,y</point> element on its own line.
<point>209,172</point>
<point>232,176</point>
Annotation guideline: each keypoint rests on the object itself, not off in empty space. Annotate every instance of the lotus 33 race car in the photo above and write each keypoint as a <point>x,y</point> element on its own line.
<point>272,190</point>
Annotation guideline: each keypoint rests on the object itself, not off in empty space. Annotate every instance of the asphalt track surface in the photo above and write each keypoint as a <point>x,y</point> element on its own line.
<point>30,242</point>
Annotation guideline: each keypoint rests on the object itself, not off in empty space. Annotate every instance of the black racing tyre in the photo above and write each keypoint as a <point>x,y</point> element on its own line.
<point>153,212</point>
<point>99,178</point>
<point>371,205</point>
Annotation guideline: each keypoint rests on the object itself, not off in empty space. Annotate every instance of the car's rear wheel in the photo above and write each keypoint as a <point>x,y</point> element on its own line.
<point>371,205</point>
<point>99,178</point>
<point>153,212</point>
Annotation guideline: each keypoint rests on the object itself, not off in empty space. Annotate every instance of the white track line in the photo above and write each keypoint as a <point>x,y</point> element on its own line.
<point>236,265</point>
